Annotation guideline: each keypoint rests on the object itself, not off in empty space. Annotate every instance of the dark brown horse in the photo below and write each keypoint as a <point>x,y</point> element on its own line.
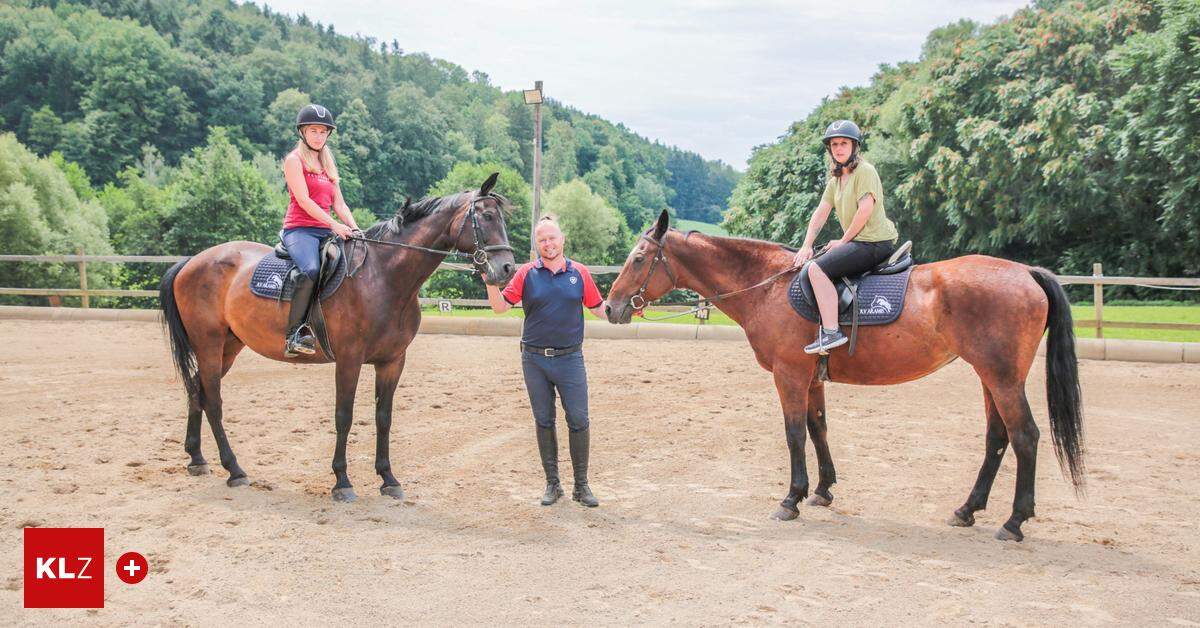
<point>211,315</point>
<point>989,312</point>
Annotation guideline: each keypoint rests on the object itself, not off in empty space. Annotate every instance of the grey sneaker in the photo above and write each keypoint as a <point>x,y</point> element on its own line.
<point>827,339</point>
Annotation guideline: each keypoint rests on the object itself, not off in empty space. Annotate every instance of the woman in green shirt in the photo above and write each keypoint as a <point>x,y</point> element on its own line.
<point>856,193</point>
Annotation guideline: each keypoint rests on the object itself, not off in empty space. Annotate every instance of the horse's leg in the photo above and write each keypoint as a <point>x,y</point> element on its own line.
<point>995,443</point>
<point>793,396</point>
<point>816,430</point>
<point>386,378</point>
<point>347,384</point>
<point>1023,434</point>
<point>210,365</point>
<point>191,444</point>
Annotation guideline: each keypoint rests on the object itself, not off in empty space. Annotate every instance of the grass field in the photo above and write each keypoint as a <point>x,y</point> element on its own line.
<point>702,227</point>
<point>1124,313</point>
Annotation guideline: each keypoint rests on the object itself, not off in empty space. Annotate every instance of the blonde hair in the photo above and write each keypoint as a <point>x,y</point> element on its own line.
<point>317,162</point>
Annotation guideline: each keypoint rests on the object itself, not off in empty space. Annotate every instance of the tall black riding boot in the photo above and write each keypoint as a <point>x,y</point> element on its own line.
<point>548,449</point>
<point>579,464</point>
<point>299,336</point>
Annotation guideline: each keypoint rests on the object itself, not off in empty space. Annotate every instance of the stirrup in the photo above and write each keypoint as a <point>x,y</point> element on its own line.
<point>299,342</point>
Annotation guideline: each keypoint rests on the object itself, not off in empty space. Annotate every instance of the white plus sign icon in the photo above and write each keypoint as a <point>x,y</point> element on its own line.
<point>132,567</point>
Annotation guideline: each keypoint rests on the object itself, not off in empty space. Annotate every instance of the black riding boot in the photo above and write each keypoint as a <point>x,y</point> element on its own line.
<point>579,464</point>
<point>299,336</point>
<point>548,449</point>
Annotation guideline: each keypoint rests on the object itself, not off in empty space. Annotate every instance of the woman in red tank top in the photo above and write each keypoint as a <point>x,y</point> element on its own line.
<point>312,181</point>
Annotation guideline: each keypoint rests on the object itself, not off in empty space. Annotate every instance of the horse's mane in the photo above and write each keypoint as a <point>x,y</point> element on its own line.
<point>749,245</point>
<point>411,213</point>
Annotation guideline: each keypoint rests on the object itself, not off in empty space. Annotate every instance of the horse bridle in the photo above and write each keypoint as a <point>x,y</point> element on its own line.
<point>659,256</point>
<point>482,252</point>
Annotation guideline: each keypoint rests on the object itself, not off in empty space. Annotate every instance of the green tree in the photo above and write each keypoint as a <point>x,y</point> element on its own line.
<point>590,224</point>
<point>41,213</point>
<point>219,197</point>
<point>561,164</point>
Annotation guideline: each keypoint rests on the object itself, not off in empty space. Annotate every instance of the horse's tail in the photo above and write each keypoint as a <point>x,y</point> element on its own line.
<point>181,347</point>
<point>1063,395</point>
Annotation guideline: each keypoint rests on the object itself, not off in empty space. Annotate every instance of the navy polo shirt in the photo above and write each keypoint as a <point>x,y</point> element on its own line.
<point>553,302</point>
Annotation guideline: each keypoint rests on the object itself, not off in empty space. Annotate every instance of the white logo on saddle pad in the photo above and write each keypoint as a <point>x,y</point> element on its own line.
<point>274,281</point>
<point>879,305</point>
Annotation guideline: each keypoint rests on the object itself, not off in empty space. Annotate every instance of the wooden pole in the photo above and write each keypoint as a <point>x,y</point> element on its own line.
<point>1098,298</point>
<point>83,278</point>
<point>537,170</point>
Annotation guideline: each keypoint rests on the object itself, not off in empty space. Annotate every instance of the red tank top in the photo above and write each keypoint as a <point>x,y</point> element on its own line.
<point>320,190</point>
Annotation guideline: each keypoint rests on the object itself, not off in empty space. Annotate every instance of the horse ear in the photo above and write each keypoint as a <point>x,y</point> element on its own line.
<point>487,186</point>
<point>407,201</point>
<point>660,227</point>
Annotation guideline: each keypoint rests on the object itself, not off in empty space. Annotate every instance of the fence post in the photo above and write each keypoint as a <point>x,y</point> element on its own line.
<point>1098,298</point>
<point>83,278</point>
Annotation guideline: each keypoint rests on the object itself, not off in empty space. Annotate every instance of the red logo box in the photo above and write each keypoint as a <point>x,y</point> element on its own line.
<point>64,567</point>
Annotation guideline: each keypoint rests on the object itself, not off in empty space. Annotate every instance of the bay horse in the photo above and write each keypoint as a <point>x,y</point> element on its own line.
<point>210,315</point>
<point>988,311</point>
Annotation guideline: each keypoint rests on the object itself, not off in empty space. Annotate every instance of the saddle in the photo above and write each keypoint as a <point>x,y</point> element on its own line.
<point>875,297</point>
<point>275,276</point>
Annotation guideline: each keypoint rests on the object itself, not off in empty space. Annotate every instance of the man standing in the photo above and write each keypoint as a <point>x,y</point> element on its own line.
<point>553,291</point>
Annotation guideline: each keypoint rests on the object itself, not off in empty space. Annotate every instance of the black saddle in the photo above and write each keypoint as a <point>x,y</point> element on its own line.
<point>275,278</point>
<point>899,261</point>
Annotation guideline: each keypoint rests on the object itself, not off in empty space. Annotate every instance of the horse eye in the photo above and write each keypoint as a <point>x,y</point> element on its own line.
<point>488,217</point>
<point>638,259</point>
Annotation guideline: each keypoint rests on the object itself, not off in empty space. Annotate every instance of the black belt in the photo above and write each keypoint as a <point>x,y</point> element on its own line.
<point>550,352</point>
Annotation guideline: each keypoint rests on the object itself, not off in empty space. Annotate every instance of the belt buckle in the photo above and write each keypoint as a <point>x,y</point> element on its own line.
<point>548,352</point>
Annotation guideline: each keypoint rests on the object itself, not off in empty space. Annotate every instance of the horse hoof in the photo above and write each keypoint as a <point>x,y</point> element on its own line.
<point>961,522</point>
<point>236,482</point>
<point>392,491</point>
<point>785,514</point>
<point>198,469</point>
<point>1004,534</point>
<point>344,495</point>
<point>818,500</point>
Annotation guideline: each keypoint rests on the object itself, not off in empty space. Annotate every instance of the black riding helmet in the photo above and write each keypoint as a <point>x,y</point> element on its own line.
<point>848,130</point>
<point>314,114</point>
<point>842,128</point>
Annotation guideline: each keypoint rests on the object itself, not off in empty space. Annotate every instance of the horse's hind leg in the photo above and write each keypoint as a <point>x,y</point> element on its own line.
<point>995,443</point>
<point>817,431</point>
<point>191,443</point>
<point>1023,433</point>
<point>211,365</point>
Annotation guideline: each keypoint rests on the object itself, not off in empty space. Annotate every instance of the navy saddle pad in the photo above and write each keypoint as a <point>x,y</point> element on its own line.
<point>880,299</point>
<point>271,278</point>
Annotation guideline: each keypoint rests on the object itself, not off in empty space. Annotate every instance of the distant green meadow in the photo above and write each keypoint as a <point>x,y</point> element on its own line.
<point>1187,314</point>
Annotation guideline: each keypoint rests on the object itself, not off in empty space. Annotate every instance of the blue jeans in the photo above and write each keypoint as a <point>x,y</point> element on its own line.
<point>304,244</point>
<point>564,374</point>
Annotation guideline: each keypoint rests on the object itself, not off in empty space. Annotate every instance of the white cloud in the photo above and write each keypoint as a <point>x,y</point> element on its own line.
<point>714,76</point>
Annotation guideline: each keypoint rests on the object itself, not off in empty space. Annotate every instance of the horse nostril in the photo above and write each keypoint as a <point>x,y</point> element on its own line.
<point>608,309</point>
<point>508,268</point>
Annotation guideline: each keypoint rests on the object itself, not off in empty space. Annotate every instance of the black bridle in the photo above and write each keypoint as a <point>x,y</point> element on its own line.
<point>482,252</point>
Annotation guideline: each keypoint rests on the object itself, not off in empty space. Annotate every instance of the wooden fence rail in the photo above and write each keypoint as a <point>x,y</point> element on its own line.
<point>1096,279</point>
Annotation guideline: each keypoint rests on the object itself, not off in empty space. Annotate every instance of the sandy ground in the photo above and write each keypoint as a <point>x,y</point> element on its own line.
<point>689,460</point>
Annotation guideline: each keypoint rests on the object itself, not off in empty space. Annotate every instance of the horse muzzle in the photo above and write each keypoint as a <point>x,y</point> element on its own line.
<point>619,313</point>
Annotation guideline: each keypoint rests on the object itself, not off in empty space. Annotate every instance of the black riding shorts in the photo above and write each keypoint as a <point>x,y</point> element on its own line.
<point>854,257</point>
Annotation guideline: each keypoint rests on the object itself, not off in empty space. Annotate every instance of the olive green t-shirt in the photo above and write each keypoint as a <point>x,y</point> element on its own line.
<point>863,181</point>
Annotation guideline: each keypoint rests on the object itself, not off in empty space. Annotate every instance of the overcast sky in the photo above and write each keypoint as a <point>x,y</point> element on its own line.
<point>715,76</point>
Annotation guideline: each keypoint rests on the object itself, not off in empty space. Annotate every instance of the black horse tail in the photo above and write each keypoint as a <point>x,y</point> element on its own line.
<point>181,347</point>
<point>1063,395</point>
